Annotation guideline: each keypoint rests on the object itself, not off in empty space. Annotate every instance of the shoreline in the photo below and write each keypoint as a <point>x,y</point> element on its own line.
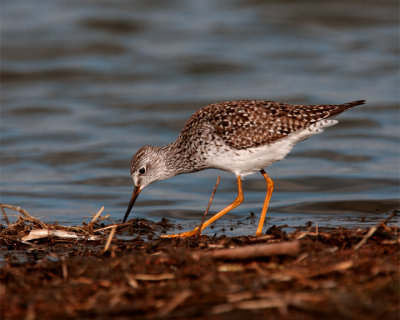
<point>305,274</point>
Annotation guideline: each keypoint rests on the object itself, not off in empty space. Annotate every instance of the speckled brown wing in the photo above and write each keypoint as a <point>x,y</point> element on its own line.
<point>250,123</point>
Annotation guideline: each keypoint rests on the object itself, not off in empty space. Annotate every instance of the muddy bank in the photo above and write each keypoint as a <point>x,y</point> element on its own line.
<point>308,274</point>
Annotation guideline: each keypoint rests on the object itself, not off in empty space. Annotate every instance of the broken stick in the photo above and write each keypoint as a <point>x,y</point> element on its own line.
<point>110,237</point>
<point>288,248</point>
<point>208,207</point>
<point>372,231</point>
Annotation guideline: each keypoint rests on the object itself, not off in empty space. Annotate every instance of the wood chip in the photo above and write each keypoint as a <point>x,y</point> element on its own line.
<point>132,281</point>
<point>235,297</point>
<point>45,233</point>
<point>252,305</point>
<point>313,234</point>
<point>341,266</point>
<point>390,242</point>
<point>154,277</point>
<point>175,302</point>
<point>64,268</point>
<point>268,299</point>
<point>288,248</point>
<point>82,280</point>
<point>231,268</point>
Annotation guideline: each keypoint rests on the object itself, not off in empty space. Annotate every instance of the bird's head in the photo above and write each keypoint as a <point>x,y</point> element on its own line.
<point>147,165</point>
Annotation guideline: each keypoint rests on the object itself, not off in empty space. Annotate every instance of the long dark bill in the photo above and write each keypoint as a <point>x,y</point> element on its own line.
<point>135,194</point>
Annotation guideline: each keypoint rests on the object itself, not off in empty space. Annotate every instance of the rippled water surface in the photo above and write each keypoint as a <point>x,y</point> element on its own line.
<point>85,84</point>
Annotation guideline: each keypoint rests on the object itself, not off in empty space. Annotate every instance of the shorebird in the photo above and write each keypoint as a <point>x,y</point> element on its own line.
<point>241,137</point>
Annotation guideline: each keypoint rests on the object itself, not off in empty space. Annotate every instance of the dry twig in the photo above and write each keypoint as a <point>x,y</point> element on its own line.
<point>341,266</point>
<point>268,299</point>
<point>288,248</point>
<point>39,229</point>
<point>315,234</point>
<point>175,302</point>
<point>108,227</point>
<point>372,231</point>
<point>26,215</point>
<point>208,207</point>
<point>96,216</point>
<point>154,277</point>
<point>112,232</point>
<point>4,214</point>
<point>64,268</point>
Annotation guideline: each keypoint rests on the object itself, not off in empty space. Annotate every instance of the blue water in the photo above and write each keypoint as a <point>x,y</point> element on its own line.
<point>85,84</point>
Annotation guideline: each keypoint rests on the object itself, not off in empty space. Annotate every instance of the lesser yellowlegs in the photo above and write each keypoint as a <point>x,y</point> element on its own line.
<point>241,137</point>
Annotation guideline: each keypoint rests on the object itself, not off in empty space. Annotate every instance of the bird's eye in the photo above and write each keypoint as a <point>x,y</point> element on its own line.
<point>142,170</point>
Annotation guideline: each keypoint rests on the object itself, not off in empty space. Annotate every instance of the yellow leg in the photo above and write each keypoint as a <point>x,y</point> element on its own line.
<point>234,204</point>
<point>270,189</point>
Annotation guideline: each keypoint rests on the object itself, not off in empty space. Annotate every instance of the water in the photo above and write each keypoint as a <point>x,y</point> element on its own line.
<point>85,84</point>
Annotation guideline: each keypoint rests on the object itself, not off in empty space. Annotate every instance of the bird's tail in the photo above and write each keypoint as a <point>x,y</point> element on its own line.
<point>352,104</point>
<point>346,106</point>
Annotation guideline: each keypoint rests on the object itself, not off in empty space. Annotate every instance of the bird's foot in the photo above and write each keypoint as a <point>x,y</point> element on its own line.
<point>187,234</point>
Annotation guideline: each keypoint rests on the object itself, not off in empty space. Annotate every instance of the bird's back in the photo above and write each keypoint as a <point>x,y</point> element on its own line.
<point>244,124</point>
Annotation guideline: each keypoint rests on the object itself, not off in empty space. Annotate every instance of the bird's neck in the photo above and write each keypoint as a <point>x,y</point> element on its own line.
<point>178,159</point>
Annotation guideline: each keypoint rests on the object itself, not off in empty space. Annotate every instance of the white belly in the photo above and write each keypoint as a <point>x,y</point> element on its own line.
<point>247,161</point>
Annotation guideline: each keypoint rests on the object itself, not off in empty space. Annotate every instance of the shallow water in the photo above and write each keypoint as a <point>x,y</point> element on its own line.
<point>84,85</point>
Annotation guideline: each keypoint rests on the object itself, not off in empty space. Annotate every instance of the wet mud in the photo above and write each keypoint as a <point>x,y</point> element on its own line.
<point>306,274</point>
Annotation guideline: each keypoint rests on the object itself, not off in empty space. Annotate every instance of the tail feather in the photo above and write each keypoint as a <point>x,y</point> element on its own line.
<point>346,106</point>
<point>353,103</point>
